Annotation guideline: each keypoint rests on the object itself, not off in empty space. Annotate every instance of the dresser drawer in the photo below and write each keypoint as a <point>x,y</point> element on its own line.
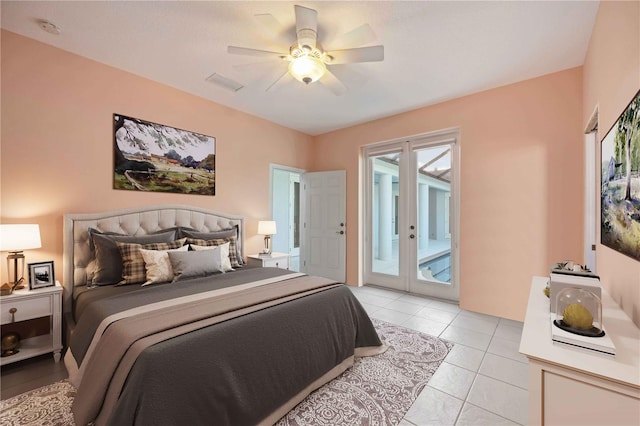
<point>277,260</point>
<point>26,309</point>
<point>281,263</point>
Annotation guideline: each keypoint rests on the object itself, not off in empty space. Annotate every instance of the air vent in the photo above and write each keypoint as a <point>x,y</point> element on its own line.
<point>49,27</point>
<point>225,82</point>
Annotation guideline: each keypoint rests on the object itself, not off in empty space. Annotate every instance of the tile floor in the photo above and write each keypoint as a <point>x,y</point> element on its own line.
<point>483,380</point>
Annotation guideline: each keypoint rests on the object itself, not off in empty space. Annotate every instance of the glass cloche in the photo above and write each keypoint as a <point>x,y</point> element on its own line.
<point>579,311</point>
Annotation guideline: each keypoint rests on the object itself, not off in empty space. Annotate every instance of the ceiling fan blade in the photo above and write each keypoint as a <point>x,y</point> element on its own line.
<point>349,75</point>
<point>356,37</point>
<point>280,81</point>
<point>253,52</point>
<point>330,81</point>
<point>306,26</point>
<point>275,28</point>
<point>359,54</point>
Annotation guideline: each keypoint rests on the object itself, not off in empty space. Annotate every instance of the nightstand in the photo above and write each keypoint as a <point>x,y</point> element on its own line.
<point>276,260</point>
<point>35,306</point>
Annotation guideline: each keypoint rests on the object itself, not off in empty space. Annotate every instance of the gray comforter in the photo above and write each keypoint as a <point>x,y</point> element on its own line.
<point>242,356</point>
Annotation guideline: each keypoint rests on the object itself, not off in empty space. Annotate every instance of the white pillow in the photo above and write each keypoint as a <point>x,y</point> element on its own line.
<point>225,262</point>
<point>158,266</point>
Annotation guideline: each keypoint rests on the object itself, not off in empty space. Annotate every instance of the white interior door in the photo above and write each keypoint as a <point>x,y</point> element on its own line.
<point>323,212</point>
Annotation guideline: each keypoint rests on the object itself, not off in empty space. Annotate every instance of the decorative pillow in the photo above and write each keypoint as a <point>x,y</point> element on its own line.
<point>158,266</point>
<point>223,253</point>
<point>214,235</point>
<point>233,257</point>
<point>192,264</point>
<point>108,263</point>
<point>133,270</point>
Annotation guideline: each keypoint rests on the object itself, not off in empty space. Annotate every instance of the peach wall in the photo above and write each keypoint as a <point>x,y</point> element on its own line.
<point>611,78</point>
<point>521,183</point>
<point>57,156</point>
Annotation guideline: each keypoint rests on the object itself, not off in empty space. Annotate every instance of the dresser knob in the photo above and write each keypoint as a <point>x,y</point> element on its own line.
<point>13,311</point>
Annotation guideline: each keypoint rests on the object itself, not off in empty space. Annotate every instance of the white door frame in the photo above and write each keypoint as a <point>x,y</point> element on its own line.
<point>293,179</point>
<point>407,280</point>
<point>591,191</point>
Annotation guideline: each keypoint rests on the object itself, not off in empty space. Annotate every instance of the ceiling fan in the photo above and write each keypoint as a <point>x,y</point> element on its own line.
<point>306,60</point>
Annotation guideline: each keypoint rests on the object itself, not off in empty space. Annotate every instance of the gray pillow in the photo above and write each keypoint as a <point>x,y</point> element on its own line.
<point>191,264</point>
<point>215,235</point>
<point>108,265</point>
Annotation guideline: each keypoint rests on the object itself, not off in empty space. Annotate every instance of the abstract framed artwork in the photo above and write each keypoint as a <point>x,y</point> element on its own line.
<point>158,158</point>
<point>620,201</point>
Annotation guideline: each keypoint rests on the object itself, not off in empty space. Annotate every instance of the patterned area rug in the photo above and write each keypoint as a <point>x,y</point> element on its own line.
<point>377,390</point>
<point>46,406</point>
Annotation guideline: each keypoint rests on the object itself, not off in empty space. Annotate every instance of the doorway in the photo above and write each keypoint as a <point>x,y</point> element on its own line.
<point>591,187</point>
<point>285,211</point>
<point>411,214</point>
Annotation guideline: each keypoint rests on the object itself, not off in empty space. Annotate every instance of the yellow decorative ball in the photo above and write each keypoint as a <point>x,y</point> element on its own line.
<point>577,316</point>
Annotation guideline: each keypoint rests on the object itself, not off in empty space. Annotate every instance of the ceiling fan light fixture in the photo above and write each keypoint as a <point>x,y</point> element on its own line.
<point>307,69</point>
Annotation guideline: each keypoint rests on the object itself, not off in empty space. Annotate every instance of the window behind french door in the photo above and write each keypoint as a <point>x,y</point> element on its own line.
<point>411,214</point>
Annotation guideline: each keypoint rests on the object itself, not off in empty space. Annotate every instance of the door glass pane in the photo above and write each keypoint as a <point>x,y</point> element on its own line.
<point>433,197</point>
<point>385,199</point>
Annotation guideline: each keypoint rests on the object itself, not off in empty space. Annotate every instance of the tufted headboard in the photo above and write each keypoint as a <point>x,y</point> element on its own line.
<point>77,254</point>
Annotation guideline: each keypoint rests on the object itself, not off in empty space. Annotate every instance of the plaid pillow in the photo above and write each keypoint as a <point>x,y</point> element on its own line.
<point>233,256</point>
<point>214,235</point>
<point>133,270</point>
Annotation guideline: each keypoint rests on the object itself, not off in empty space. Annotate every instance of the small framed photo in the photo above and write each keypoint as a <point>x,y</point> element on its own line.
<point>41,275</point>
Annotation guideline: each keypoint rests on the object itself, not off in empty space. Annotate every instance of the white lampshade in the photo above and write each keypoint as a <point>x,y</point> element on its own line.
<point>19,237</point>
<point>267,227</point>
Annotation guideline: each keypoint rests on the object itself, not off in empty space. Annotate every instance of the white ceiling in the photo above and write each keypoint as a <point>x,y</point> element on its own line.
<point>434,51</point>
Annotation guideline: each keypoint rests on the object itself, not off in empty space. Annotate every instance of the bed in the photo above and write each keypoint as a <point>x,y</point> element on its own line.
<point>219,343</point>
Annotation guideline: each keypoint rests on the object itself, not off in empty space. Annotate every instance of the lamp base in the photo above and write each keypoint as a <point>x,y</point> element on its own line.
<point>267,246</point>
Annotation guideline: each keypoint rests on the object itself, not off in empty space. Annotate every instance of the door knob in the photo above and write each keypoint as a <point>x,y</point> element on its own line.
<point>341,224</point>
<point>412,227</point>
<point>412,236</point>
<point>340,232</point>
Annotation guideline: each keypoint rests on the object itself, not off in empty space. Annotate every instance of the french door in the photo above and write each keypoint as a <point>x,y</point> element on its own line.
<point>411,214</point>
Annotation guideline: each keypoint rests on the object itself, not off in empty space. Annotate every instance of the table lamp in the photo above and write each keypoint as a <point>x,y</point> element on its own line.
<point>15,239</point>
<point>267,228</point>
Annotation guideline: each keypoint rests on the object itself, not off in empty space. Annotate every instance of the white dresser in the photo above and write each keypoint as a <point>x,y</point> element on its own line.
<point>573,386</point>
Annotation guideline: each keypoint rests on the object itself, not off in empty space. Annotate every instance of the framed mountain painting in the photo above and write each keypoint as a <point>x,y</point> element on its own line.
<point>158,158</point>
